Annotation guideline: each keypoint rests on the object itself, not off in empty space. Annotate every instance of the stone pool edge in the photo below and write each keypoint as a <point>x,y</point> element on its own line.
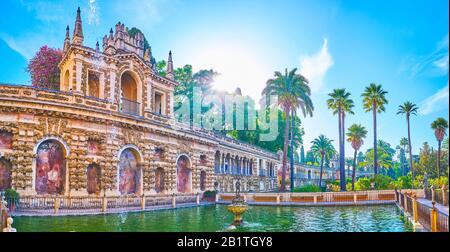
<point>37,213</point>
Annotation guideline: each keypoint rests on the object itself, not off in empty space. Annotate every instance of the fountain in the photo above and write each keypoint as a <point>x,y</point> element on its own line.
<point>238,206</point>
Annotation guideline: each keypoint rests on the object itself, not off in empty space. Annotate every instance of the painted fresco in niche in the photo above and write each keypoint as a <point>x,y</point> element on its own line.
<point>202,180</point>
<point>159,180</point>
<point>128,172</point>
<point>94,147</point>
<point>5,139</point>
<point>50,168</point>
<point>184,175</point>
<point>5,174</point>
<point>93,179</point>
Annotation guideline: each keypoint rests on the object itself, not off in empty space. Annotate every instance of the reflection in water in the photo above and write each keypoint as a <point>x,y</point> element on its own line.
<point>216,218</point>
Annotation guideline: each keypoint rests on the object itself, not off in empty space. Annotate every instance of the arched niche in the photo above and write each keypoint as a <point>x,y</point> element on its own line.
<point>94,174</point>
<point>159,180</point>
<point>129,171</point>
<point>184,174</point>
<point>50,167</point>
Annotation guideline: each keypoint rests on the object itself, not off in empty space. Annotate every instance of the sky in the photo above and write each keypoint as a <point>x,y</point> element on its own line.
<point>402,45</point>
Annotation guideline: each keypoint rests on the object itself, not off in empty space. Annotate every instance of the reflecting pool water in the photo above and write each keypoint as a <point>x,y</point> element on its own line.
<point>386,218</point>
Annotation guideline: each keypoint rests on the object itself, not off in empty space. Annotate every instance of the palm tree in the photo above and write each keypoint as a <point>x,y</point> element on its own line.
<point>439,126</point>
<point>340,103</point>
<point>404,143</point>
<point>293,92</point>
<point>374,100</point>
<point>408,109</point>
<point>322,147</point>
<point>356,134</point>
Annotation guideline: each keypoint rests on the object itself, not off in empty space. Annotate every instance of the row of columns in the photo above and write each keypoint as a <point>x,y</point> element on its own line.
<point>230,164</point>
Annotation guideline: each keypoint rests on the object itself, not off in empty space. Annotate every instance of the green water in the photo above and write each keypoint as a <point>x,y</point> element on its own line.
<point>213,218</point>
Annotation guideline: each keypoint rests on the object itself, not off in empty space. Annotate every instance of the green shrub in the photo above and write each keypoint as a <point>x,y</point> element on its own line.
<point>308,188</point>
<point>363,184</point>
<point>383,182</point>
<point>438,182</point>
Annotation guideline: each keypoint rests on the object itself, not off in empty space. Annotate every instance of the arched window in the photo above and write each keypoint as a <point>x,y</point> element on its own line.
<point>94,175</point>
<point>202,180</point>
<point>66,85</point>
<point>5,174</point>
<point>159,180</point>
<point>217,162</point>
<point>227,163</point>
<point>50,168</point>
<point>184,174</point>
<point>93,84</point>
<point>129,94</point>
<point>129,173</point>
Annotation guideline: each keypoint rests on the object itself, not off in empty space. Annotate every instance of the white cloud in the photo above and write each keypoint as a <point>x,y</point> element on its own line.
<point>314,67</point>
<point>434,63</point>
<point>24,45</point>
<point>435,102</point>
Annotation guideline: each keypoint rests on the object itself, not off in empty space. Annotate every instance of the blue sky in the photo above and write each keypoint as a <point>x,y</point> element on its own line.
<point>402,45</point>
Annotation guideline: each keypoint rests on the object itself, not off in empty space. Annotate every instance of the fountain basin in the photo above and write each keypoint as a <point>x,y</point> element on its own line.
<point>237,210</point>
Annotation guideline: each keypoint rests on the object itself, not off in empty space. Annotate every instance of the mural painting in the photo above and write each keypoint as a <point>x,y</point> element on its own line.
<point>5,140</point>
<point>183,175</point>
<point>5,174</point>
<point>159,180</point>
<point>50,168</point>
<point>93,179</point>
<point>129,174</point>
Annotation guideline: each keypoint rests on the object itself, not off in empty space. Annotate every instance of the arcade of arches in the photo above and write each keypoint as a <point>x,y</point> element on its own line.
<point>53,169</point>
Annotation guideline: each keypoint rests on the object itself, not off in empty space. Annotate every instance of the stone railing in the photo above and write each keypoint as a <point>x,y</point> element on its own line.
<point>48,205</point>
<point>317,198</point>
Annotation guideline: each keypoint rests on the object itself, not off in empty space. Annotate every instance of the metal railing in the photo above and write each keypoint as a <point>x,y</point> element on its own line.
<point>129,107</point>
<point>429,217</point>
<point>439,195</point>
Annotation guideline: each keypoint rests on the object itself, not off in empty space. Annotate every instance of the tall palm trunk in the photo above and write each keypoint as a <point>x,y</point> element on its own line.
<point>291,176</point>
<point>375,151</point>
<point>439,159</point>
<point>321,169</point>
<point>285,150</point>
<point>354,170</point>
<point>410,149</point>
<point>341,151</point>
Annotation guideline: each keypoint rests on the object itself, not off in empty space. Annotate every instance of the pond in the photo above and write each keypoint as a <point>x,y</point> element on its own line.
<point>213,218</point>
